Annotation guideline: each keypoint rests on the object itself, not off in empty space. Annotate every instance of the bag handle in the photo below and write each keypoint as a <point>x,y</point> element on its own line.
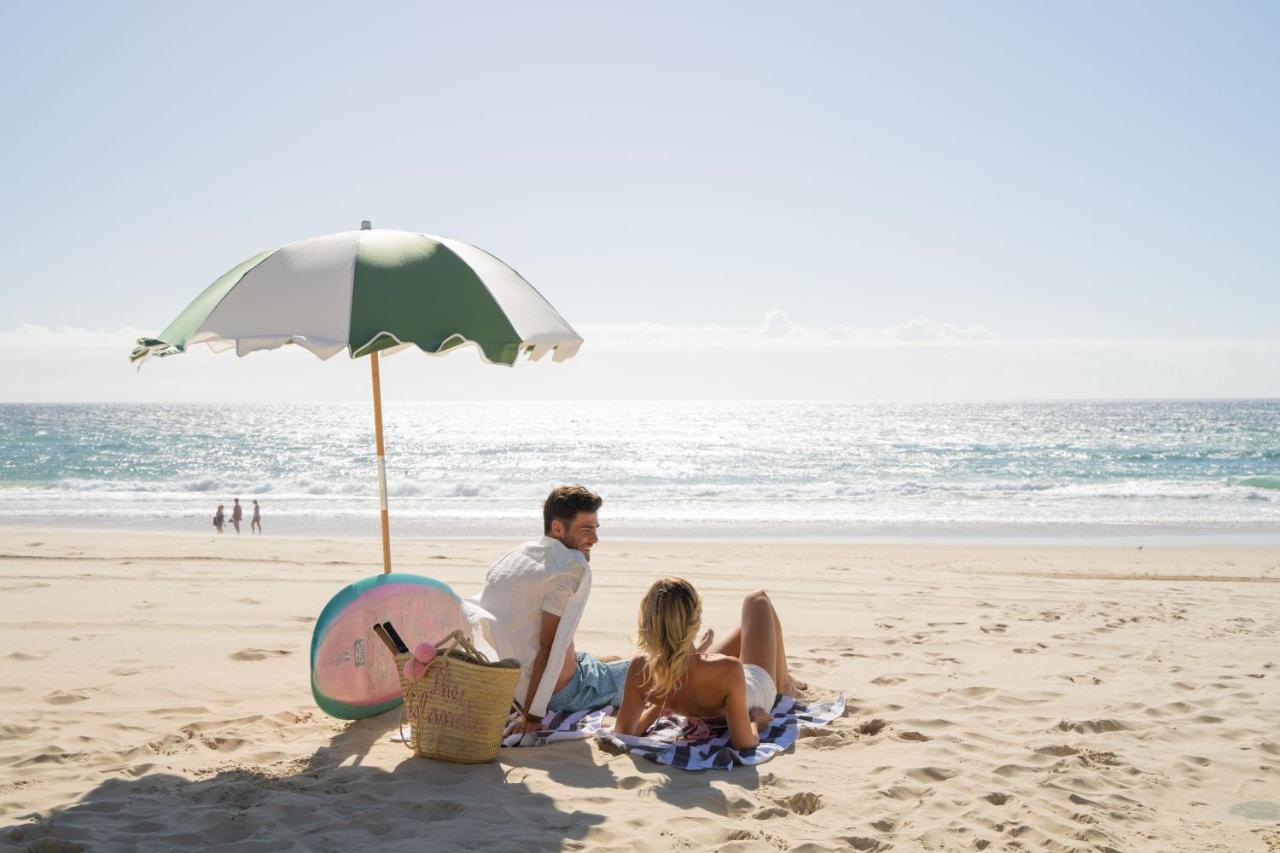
<point>456,645</point>
<point>407,740</point>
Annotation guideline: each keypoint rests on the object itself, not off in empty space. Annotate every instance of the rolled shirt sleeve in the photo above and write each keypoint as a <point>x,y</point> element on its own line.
<point>559,590</point>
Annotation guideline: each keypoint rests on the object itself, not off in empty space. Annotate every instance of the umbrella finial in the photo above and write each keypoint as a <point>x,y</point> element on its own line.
<point>366,225</point>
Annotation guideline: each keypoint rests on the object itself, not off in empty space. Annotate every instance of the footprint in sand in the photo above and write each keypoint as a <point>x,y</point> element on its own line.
<point>222,744</point>
<point>1106,759</point>
<point>915,736</point>
<point>870,727</point>
<point>771,813</point>
<point>1093,679</point>
<point>834,740</point>
<point>1092,726</point>
<point>303,619</point>
<point>259,654</point>
<point>15,731</point>
<point>179,711</point>
<point>65,697</point>
<point>803,803</point>
<point>25,656</point>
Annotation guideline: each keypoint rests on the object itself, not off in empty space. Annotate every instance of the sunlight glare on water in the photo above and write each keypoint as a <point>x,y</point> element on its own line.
<point>824,469</point>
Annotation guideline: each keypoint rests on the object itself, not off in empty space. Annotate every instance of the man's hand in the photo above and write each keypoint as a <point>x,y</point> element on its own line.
<point>527,724</point>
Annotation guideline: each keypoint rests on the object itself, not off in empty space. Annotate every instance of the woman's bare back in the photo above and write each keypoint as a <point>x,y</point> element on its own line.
<point>704,688</point>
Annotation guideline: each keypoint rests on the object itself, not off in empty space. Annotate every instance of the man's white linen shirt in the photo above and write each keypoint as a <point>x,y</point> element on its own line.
<point>534,578</point>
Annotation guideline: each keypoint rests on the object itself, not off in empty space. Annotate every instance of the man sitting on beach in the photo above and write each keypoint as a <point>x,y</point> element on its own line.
<point>536,595</point>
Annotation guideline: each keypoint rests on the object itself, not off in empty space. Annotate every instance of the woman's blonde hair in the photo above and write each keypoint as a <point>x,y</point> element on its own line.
<point>669,618</point>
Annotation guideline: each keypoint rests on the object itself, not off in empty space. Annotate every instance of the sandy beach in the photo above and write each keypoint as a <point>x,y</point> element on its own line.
<point>156,697</point>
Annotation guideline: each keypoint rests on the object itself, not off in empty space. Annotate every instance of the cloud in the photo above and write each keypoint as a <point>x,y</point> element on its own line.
<point>777,332</point>
<point>774,359</point>
<point>914,331</point>
<point>43,340</point>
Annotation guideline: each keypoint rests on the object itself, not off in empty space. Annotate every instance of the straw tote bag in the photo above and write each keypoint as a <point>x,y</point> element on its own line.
<point>457,710</point>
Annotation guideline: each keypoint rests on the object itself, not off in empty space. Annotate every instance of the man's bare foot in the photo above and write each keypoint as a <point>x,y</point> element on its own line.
<point>705,643</point>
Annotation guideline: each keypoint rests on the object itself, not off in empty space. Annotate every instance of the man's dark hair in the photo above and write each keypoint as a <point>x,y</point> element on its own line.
<point>565,502</point>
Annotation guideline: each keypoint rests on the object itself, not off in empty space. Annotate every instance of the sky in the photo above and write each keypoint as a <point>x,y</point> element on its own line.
<point>845,200</point>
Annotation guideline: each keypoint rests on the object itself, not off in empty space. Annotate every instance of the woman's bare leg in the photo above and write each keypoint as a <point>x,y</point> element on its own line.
<point>731,643</point>
<point>761,638</point>
<point>785,683</point>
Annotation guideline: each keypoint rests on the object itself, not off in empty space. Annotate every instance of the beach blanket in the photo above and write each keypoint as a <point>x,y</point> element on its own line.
<point>686,744</point>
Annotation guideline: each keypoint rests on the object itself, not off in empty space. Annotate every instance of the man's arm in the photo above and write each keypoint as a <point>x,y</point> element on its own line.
<point>550,624</point>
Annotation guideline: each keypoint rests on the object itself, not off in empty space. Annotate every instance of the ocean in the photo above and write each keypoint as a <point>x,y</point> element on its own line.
<point>1140,471</point>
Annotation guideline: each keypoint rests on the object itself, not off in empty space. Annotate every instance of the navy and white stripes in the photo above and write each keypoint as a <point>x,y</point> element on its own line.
<point>689,745</point>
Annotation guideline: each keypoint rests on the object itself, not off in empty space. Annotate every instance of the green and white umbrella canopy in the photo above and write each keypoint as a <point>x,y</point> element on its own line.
<point>368,291</point>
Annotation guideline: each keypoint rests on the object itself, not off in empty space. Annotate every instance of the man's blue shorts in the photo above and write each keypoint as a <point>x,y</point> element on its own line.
<point>594,685</point>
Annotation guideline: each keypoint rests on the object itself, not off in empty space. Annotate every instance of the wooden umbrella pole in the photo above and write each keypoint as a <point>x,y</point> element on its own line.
<point>382,464</point>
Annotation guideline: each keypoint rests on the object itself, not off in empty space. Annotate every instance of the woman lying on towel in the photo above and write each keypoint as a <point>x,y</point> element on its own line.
<point>737,680</point>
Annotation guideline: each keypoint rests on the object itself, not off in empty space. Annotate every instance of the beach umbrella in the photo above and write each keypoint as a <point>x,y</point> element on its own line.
<point>368,292</point>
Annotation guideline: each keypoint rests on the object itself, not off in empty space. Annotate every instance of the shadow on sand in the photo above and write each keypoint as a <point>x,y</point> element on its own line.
<point>329,801</point>
<point>573,764</point>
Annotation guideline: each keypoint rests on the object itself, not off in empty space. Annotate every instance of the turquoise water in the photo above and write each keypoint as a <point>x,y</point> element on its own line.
<point>748,469</point>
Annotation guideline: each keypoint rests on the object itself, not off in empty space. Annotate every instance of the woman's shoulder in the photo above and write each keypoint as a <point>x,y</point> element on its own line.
<point>720,667</point>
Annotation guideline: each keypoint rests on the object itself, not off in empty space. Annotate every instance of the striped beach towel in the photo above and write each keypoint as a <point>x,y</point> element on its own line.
<point>560,725</point>
<point>689,745</point>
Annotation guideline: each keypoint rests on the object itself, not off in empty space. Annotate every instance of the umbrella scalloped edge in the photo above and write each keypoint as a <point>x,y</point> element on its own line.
<point>561,349</point>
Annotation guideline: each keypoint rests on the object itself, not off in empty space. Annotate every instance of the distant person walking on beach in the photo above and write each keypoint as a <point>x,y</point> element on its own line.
<point>218,518</point>
<point>236,514</point>
<point>256,524</point>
